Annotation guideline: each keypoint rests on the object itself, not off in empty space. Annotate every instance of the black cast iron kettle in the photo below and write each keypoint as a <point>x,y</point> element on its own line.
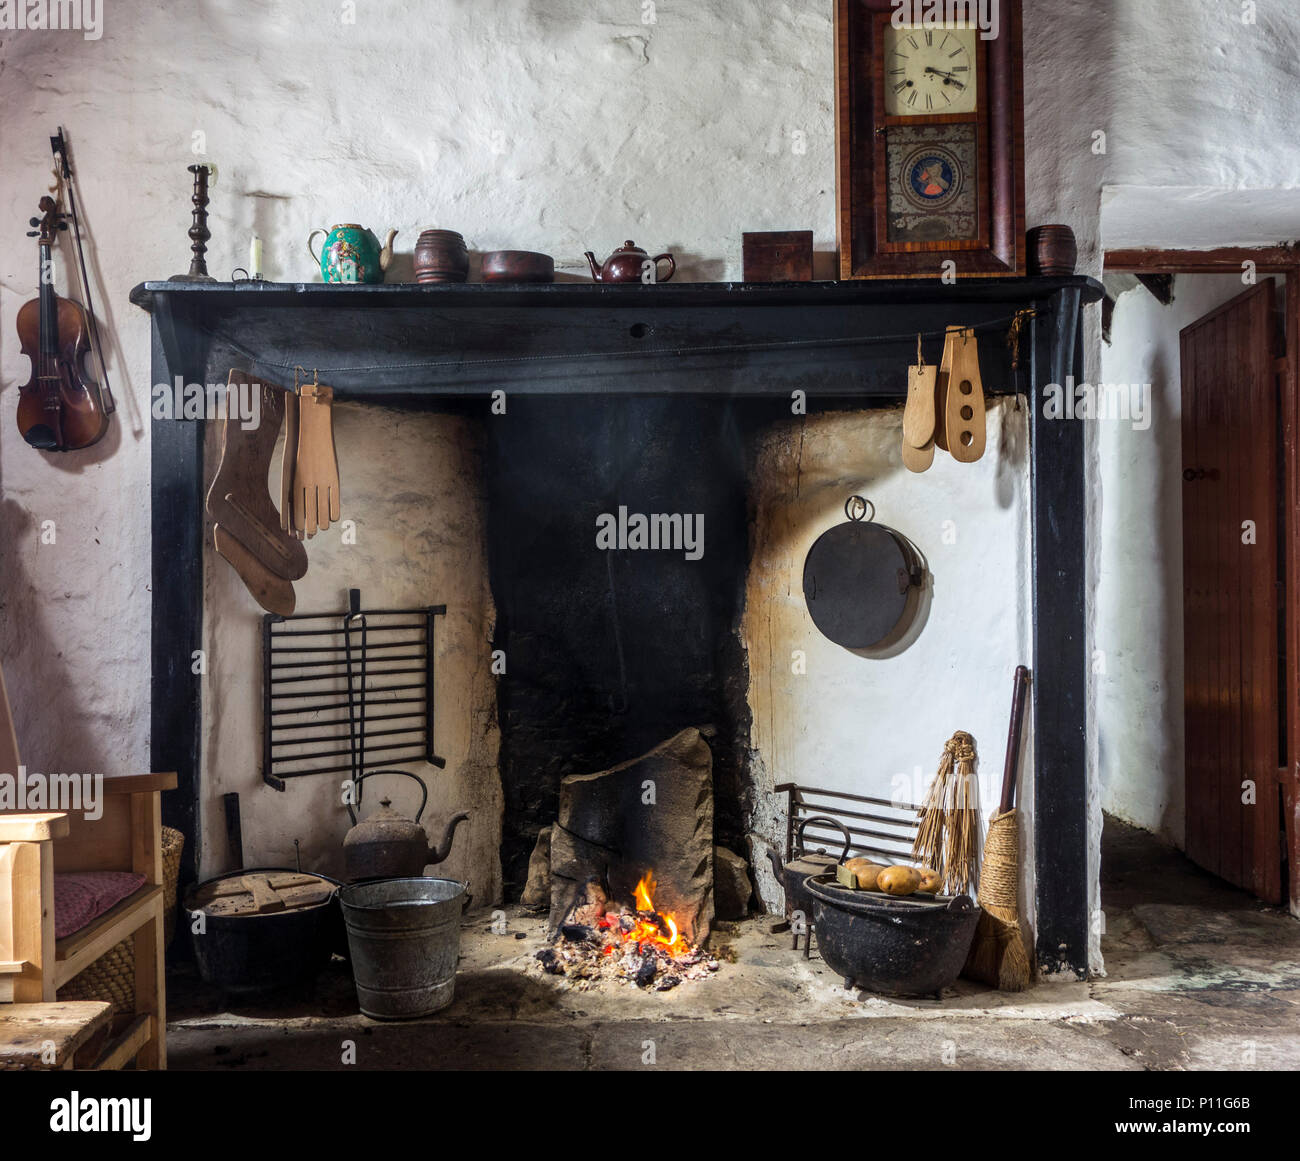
<point>387,845</point>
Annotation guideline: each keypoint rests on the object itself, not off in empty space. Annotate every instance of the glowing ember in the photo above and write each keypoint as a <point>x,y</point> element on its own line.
<point>649,927</point>
<point>604,940</point>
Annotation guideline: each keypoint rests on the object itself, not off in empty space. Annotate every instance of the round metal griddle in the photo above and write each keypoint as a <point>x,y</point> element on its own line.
<point>858,578</point>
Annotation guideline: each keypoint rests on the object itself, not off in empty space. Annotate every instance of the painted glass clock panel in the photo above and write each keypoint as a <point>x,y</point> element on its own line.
<point>930,71</point>
<point>932,183</point>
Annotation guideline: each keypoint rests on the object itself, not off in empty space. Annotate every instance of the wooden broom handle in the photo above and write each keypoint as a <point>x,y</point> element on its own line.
<point>1019,689</point>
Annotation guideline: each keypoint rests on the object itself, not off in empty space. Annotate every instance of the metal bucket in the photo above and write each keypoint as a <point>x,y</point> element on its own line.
<point>404,935</point>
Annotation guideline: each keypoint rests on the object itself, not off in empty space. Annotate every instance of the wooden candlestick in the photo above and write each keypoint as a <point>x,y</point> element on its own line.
<point>199,232</point>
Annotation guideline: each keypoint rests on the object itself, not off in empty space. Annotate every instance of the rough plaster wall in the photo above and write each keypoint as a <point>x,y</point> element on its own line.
<point>553,124</point>
<point>411,482</point>
<point>877,726</point>
<point>558,125</point>
<point>1193,103</point>
<point>1139,595</point>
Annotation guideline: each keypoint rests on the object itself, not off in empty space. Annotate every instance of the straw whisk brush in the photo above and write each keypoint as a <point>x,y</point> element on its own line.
<point>949,833</point>
<point>998,956</point>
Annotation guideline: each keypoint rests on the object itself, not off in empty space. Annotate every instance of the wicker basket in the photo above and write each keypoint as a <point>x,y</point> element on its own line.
<point>111,978</point>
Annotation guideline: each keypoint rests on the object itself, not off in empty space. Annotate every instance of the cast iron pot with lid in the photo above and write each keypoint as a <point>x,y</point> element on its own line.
<point>265,928</point>
<point>900,946</point>
<point>860,578</point>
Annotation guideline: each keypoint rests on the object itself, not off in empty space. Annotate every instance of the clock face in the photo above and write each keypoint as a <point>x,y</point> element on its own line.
<point>929,71</point>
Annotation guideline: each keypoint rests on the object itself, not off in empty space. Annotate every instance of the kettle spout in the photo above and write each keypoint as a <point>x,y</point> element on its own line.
<point>595,266</point>
<point>386,254</point>
<point>443,849</point>
<point>777,869</point>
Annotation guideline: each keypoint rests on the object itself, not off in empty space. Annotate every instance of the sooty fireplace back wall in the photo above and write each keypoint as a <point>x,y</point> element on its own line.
<point>610,653</point>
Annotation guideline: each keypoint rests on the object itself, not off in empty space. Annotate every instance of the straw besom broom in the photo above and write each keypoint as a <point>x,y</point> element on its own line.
<point>948,836</point>
<point>998,955</point>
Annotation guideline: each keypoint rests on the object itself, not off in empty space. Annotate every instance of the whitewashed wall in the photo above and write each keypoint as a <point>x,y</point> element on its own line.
<point>838,720</point>
<point>411,485</point>
<point>560,125</point>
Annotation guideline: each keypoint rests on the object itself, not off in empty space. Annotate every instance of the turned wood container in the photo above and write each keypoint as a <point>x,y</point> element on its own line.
<point>441,256</point>
<point>518,266</point>
<point>1053,251</point>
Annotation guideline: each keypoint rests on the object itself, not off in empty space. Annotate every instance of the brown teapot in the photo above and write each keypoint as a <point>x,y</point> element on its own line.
<point>388,845</point>
<point>629,263</point>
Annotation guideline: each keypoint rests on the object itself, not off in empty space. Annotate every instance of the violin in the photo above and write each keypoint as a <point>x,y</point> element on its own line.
<point>60,408</point>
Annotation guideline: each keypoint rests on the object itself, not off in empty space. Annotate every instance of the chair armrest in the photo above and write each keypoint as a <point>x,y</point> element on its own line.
<point>139,783</point>
<point>32,828</point>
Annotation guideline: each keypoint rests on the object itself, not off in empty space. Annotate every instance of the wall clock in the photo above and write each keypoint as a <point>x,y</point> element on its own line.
<point>929,129</point>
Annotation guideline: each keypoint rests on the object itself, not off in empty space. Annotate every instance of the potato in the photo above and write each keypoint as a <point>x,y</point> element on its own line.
<point>868,876</point>
<point>899,880</point>
<point>859,873</point>
<point>931,881</point>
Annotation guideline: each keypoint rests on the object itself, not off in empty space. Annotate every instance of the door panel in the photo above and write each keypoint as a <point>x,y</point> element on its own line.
<point>1231,608</point>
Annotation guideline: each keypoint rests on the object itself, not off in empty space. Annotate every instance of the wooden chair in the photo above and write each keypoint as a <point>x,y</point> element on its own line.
<point>33,847</point>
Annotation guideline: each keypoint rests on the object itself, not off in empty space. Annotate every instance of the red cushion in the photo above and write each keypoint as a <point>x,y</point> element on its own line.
<point>80,896</point>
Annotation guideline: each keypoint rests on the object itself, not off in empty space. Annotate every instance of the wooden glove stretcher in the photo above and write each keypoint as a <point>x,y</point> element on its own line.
<point>264,545</point>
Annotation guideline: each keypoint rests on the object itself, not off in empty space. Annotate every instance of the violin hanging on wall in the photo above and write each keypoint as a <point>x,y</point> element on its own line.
<point>61,408</point>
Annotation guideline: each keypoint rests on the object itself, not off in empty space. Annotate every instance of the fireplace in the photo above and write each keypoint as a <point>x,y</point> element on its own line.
<point>627,401</point>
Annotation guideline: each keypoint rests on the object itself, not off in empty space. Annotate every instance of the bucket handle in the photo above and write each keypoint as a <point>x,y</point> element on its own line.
<point>424,791</point>
<point>822,818</point>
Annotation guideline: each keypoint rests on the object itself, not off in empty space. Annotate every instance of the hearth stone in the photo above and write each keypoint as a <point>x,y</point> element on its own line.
<point>537,890</point>
<point>731,885</point>
<point>654,813</point>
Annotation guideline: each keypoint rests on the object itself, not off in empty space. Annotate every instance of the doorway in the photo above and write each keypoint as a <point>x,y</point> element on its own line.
<point>1234,511</point>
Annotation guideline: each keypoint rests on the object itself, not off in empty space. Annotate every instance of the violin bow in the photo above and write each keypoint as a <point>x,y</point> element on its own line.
<point>59,147</point>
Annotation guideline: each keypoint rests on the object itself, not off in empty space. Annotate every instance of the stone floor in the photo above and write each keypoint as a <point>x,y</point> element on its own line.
<point>1198,976</point>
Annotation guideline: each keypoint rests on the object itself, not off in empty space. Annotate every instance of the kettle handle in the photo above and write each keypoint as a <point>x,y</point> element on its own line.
<point>672,266</point>
<point>835,822</point>
<point>424,791</point>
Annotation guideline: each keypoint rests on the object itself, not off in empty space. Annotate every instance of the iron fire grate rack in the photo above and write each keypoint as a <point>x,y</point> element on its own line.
<point>342,692</point>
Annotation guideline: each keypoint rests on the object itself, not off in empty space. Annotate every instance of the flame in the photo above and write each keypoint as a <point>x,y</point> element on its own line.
<point>646,929</point>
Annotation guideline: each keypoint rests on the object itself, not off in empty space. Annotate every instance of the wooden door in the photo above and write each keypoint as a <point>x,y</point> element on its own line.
<point>1232,590</point>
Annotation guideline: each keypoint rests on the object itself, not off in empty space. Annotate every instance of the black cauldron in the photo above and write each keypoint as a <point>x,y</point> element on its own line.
<point>251,954</point>
<point>908,946</point>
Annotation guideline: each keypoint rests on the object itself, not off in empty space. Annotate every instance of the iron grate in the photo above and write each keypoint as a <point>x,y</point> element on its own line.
<point>345,691</point>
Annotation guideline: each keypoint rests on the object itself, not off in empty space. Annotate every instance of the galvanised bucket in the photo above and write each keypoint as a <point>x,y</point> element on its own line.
<point>404,936</point>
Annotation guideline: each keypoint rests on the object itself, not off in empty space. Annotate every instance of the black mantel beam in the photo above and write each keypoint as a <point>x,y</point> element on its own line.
<point>402,342</point>
<point>413,345</point>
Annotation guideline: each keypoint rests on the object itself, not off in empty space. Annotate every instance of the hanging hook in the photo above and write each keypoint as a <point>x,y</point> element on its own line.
<point>855,508</point>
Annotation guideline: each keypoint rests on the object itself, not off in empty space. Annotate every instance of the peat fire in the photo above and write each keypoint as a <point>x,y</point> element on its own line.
<point>601,939</point>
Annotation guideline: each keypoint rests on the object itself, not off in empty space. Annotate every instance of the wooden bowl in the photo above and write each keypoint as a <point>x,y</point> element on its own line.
<point>518,266</point>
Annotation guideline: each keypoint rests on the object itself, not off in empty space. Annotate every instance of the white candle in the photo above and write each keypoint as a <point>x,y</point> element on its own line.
<point>255,257</point>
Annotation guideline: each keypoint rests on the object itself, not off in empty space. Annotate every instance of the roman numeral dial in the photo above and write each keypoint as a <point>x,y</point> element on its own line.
<point>930,71</point>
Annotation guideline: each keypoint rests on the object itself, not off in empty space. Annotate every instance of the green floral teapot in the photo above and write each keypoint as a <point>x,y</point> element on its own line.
<point>351,253</point>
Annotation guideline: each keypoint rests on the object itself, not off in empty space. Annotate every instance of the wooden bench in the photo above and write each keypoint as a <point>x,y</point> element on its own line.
<point>52,1036</point>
